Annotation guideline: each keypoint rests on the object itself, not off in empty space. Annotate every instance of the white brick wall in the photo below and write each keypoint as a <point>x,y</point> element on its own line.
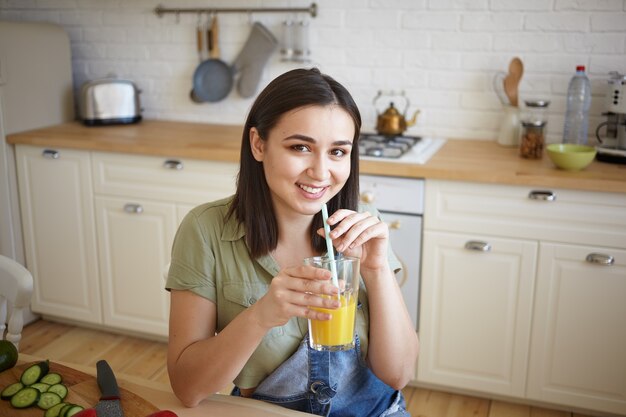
<point>444,53</point>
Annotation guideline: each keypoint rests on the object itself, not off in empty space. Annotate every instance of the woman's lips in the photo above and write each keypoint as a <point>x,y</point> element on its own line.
<point>312,192</point>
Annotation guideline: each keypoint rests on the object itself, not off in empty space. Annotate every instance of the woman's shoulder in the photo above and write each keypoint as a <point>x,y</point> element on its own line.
<point>211,216</point>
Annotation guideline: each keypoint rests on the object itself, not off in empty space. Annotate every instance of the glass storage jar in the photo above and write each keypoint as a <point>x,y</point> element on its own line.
<point>532,139</point>
<point>533,127</point>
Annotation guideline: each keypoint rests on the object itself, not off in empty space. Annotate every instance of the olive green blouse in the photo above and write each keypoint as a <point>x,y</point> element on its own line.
<point>211,259</point>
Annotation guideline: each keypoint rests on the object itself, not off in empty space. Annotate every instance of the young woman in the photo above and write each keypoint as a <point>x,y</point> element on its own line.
<point>240,294</point>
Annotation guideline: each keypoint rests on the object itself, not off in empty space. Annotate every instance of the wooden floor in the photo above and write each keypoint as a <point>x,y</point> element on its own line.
<point>146,359</point>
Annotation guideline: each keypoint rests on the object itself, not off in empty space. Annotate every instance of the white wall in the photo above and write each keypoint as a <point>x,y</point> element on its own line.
<point>442,52</point>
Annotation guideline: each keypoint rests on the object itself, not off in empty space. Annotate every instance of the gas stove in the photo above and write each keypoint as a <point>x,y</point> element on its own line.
<point>400,148</point>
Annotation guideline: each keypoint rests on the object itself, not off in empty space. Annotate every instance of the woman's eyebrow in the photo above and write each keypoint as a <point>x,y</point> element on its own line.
<point>311,140</point>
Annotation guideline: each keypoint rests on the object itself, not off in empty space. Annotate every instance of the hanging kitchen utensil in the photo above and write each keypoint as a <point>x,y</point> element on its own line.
<point>512,80</point>
<point>200,46</point>
<point>213,79</point>
<point>251,60</point>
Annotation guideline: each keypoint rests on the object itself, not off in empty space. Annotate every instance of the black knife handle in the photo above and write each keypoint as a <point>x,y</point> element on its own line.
<point>106,380</point>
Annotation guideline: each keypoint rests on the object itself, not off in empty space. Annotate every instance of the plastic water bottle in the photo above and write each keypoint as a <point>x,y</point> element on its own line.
<point>578,102</point>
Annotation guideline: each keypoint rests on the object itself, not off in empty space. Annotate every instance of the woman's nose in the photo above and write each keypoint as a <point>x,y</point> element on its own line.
<point>319,169</point>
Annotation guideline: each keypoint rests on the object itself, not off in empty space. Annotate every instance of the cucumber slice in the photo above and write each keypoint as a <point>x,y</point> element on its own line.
<point>51,378</point>
<point>48,399</point>
<point>59,389</point>
<point>40,386</point>
<point>34,373</point>
<point>10,390</point>
<point>74,409</point>
<point>54,410</point>
<point>25,397</point>
<point>64,410</point>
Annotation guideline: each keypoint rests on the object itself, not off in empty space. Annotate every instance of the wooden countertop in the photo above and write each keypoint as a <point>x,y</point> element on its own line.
<point>461,160</point>
<point>162,397</point>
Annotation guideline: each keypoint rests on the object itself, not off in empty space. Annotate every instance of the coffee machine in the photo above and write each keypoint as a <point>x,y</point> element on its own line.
<point>613,145</point>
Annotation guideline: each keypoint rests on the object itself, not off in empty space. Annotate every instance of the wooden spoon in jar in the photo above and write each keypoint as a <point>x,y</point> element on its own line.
<point>512,80</point>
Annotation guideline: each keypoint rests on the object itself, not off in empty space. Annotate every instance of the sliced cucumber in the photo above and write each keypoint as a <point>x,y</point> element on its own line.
<point>52,378</point>
<point>40,386</point>
<point>25,397</point>
<point>10,390</point>
<point>34,373</point>
<point>63,411</point>
<point>59,389</point>
<point>54,410</point>
<point>74,409</point>
<point>48,399</point>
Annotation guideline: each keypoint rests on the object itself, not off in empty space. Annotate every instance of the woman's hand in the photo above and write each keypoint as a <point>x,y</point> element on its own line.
<point>361,235</point>
<point>292,292</point>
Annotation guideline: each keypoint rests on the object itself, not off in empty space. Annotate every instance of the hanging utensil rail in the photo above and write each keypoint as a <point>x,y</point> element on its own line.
<point>312,9</point>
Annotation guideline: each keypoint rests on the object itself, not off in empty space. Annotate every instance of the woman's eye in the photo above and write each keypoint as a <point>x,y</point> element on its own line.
<point>300,148</point>
<point>338,152</point>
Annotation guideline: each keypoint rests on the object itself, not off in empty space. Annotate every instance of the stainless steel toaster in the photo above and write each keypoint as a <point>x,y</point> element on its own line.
<point>109,101</point>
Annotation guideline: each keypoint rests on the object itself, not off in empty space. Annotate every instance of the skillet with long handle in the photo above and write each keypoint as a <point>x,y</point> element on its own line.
<point>213,79</point>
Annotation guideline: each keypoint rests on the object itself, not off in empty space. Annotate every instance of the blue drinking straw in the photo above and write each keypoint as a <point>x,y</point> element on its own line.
<point>329,246</point>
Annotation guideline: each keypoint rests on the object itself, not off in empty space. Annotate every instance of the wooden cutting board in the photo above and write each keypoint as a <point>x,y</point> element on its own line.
<point>83,390</point>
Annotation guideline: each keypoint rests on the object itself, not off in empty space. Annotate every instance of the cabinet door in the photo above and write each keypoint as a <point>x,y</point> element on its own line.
<point>475,312</point>
<point>135,239</point>
<point>578,349</point>
<point>56,200</point>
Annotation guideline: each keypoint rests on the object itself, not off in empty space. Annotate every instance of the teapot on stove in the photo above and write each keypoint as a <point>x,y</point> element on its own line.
<point>392,122</point>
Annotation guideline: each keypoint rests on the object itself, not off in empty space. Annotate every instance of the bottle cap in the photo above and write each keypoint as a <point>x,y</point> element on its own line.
<point>580,68</point>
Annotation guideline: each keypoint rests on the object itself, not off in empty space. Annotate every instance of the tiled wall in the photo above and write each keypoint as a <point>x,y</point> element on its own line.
<point>443,53</point>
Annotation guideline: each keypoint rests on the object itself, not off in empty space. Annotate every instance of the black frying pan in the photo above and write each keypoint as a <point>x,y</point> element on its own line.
<point>213,79</point>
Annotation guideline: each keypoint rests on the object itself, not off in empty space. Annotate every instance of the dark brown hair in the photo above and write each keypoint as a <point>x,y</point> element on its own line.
<point>252,204</point>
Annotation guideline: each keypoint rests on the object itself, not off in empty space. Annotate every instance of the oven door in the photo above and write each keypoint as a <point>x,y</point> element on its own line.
<point>405,233</point>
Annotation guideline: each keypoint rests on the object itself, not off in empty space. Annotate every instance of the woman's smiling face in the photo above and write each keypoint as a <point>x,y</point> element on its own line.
<point>306,157</point>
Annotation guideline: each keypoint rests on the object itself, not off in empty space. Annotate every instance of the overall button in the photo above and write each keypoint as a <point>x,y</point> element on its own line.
<point>323,393</point>
<point>252,300</point>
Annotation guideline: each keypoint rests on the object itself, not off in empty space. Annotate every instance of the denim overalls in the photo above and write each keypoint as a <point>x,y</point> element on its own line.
<point>335,384</point>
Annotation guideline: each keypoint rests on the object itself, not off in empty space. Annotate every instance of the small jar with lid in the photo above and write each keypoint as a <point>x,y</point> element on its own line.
<point>532,133</point>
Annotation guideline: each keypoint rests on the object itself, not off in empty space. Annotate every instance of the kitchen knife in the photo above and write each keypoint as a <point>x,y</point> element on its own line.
<point>109,404</point>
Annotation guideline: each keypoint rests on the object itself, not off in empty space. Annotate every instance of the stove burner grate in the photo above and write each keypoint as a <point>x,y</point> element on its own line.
<point>382,146</point>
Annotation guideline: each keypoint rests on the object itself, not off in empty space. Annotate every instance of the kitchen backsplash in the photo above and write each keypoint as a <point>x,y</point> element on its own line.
<point>443,53</point>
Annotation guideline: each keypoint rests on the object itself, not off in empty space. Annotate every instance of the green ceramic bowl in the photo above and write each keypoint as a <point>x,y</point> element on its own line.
<point>571,157</point>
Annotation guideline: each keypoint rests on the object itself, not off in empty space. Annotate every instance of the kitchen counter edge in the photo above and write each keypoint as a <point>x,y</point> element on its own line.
<point>458,160</point>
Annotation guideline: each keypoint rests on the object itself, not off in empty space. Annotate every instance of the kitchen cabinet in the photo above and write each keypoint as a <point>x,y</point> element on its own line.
<point>99,228</point>
<point>578,349</point>
<point>140,200</point>
<point>56,198</point>
<point>476,311</point>
<point>510,304</point>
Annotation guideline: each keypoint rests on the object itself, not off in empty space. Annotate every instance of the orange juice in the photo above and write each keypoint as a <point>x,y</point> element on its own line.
<point>338,332</point>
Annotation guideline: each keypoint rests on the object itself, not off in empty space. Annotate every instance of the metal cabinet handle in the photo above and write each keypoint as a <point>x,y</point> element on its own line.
<point>600,258</point>
<point>173,164</point>
<point>367,197</point>
<point>133,208</point>
<point>544,195</point>
<point>50,154</point>
<point>477,245</point>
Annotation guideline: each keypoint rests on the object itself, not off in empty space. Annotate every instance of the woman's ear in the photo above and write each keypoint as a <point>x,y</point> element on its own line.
<point>256,144</point>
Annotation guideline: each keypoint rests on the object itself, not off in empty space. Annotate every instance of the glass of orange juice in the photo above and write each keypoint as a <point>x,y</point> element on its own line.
<point>338,332</point>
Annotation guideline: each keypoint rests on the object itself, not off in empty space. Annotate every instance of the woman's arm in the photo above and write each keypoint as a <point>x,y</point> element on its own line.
<point>200,362</point>
<point>393,343</point>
